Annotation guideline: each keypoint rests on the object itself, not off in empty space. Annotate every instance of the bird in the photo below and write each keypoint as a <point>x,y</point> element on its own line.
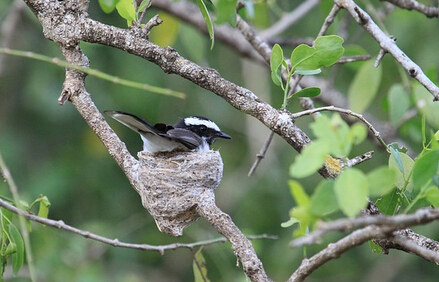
<point>192,133</point>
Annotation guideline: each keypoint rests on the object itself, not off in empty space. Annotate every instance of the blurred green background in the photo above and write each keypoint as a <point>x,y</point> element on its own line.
<point>50,150</point>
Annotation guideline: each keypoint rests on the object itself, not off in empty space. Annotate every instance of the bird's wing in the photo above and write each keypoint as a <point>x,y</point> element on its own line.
<point>186,137</point>
<point>133,122</point>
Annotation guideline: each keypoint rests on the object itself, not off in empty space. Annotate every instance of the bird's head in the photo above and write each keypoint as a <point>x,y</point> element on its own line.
<point>203,127</point>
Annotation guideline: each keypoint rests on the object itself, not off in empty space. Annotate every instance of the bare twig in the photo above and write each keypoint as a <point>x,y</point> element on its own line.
<point>24,232</point>
<point>388,44</point>
<point>59,224</point>
<point>350,59</point>
<point>261,153</point>
<point>421,216</point>
<point>379,58</point>
<point>289,19</point>
<point>358,159</point>
<point>329,20</point>
<point>154,21</point>
<point>428,11</point>
<point>414,248</point>
<point>8,26</point>
<point>347,112</point>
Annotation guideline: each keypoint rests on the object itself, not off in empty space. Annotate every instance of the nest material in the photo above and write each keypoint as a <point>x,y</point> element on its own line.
<point>172,184</point>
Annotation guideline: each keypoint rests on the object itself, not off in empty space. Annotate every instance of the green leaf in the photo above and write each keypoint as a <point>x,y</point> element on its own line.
<point>308,72</point>
<point>310,159</point>
<point>424,169</point>
<point>436,135</point>
<point>381,181</point>
<point>18,256</point>
<point>358,133</point>
<point>108,6</point>
<point>143,6</point>
<point>351,190</point>
<point>364,87</point>
<point>376,249</point>
<point>389,203</point>
<point>396,156</point>
<point>289,223</point>
<point>432,196</point>
<point>326,51</point>
<point>305,218</point>
<point>276,60</point>
<point>126,10</point>
<point>308,92</point>
<point>44,207</point>
<point>323,201</point>
<point>199,267</point>
<point>226,12</point>
<point>406,164</point>
<point>426,106</point>
<point>299,195</point>
<point>398,102</point>
<point>166,33</point>
<point>208,20</point>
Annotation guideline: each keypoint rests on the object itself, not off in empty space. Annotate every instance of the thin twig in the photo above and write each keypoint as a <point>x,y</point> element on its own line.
<point>347,112</point>
<point>358,159</point>
<point>350,59</point>
<point>428,11</point>
<point>94,72</point>
<point>289,19</point>
<point>24,232</point>
<point>59,224</point>
<point>329,20</point>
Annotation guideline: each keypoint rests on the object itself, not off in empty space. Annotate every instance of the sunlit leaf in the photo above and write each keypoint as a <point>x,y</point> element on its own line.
<point>289,223</point>
<point>199,267</point>
<point>226,12</point>
<point>108,6</point>
<point>424,169</point>
<point>396,156</point>
<point>407,165</point>
<point>299,195</point>
<point>276,59</point>
<point>308,72</point>
<point>358,133</point>
<point>166,33</point>
<point>325,52</point>
<point>44,207</point>
<point>310,159</point>
<point>208,20</point>
<point>426,106</point>
<point>351,190</point>
<point>432,196</point>
<point>364,87</point>
<point>308,92</point>
<point>398,103</point>
<point>389,203</point>
<point>18,256</point>
<point>323,201</point>
<point>126,10</point>
<point>381,181</point>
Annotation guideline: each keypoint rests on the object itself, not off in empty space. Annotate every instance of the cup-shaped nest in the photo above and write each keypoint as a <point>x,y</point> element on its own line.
<point>172,184</point>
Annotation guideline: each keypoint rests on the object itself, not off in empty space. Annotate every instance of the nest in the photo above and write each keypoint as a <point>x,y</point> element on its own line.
<point>171,186</point>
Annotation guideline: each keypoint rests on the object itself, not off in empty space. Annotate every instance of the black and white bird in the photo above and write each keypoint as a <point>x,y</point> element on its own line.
<point>193,133</point>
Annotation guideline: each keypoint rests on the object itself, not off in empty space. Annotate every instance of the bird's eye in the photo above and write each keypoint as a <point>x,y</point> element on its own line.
<point>203,128</point>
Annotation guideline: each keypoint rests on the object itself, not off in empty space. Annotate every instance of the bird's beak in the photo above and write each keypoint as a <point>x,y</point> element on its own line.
<point>223,135</point>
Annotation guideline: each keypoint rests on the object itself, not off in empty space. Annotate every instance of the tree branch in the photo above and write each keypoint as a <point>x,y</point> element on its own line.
<point>428,11</point>
<point>59,224</point>
<point>388,45</point>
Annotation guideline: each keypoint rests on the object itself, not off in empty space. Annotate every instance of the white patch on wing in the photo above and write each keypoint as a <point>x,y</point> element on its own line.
<point>197,121</point>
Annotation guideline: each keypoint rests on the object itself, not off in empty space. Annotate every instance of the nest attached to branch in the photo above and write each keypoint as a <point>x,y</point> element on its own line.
<point>171,186</point>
